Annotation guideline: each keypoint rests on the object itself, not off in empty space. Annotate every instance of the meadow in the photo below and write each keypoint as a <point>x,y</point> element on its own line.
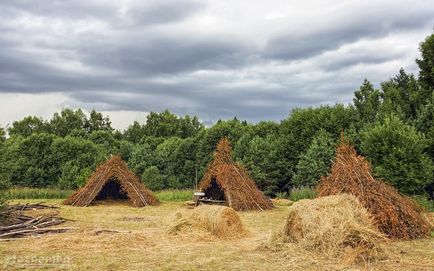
<point>115,236</point>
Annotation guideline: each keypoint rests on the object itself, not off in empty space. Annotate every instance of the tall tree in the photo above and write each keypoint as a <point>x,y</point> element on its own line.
<point>402,96</point>
<point>67,121</point>
<point>98,122</point>
<point>367,101</point>
<point>316,161</point>
<point>426,64</point>
<point>28,126</point>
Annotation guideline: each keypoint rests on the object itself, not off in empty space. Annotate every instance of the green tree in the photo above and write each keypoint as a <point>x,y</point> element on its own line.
<point>316,161</point>
<point>74,159</point>
<point>2,135</point>
<point>34,162</point>
<point>28,126</point>
<point>135,132</point>
<point>259,155</point>
<point>402,96</point>
<point>97,122</point>
<point>153,179</point>
<point>396,152</point>
<point>367,101</point>
<point>426,65</point>
<point>425,124</point>
<point>68,120</point>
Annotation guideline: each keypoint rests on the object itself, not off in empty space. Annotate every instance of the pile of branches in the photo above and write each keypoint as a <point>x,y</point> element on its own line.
<point>224,175</point>
<point>397,216</point>
<point>19,225</point>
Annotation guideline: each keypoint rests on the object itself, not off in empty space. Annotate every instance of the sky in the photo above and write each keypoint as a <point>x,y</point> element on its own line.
<point>216,59</point>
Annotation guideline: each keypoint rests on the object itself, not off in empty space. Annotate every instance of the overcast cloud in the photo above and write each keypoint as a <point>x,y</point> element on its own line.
<point>217,59</point>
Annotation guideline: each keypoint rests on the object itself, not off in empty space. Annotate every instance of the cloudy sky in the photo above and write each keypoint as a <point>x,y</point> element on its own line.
<point>217,59</point>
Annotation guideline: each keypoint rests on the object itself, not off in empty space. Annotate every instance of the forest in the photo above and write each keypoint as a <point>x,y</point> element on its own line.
<point>392,125</point>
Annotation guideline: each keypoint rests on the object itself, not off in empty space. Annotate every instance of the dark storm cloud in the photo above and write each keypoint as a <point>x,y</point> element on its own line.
<point>153,55</point>
<point>297,44</point>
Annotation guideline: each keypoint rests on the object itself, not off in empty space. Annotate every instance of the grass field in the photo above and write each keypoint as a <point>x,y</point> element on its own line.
<point>26,193</point>
<point>141,243</point>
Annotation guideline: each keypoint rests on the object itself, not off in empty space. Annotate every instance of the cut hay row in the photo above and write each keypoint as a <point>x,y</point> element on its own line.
<point>334,226</point>
<point>221,221</point>
<point>396,215</point>
<point>113,170</point>
<point>226,180</point>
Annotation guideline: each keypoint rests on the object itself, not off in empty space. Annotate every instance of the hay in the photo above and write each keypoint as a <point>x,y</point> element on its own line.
<point>229,181</point>
<point>113,172</point>
<point>334,226</point>
<point>220,221</point>
<point>396,215</point>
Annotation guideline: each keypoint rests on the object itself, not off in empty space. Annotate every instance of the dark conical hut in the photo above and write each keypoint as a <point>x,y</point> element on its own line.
<point>228,181</point>
<point>395,215</point>
<point>113,180</point>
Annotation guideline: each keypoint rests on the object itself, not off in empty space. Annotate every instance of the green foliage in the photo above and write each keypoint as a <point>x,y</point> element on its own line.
<point>2,135</point>
<point>75,158</point>
<point>258,155</point>
<point>426,63</point>
<point>316,161</point>
<point>28,126</point>
<point>63,123</point>
<point>402,96</point>
<point>367,101</point>
<point>302,193</point>
<point>396,152</point>
<point>153,179</point>
<point>37,193</point>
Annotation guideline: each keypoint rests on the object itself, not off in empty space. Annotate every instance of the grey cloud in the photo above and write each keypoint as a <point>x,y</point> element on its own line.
<point>148,58</point>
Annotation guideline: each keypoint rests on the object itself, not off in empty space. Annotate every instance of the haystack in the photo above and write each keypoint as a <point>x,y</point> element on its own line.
<point>113,180</point>
<point>395,215</point>
<point>220,221</point>
<point>228,181</point>
<point>335,226</point>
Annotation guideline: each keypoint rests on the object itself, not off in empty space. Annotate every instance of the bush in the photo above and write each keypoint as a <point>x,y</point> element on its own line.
<point>302,193</point>
<point>316,161</point>
<point>396,153</point>
<point>152,178</point>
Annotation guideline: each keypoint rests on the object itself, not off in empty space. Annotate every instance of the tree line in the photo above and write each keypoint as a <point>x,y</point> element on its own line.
<point>393,126</point>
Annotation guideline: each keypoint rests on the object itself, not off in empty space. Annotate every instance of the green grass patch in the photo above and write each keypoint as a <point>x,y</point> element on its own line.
<point>53,193</point>
<point>37,193</point>
<point>302,193</point>
<point>174,195</point>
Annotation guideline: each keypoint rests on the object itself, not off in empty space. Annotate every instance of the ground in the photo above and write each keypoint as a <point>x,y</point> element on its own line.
<point>142,243</point>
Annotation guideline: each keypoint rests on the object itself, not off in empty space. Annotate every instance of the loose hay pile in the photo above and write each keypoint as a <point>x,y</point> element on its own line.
<point>333,226</point>
<point>113,177</point>
<point>221,221</point>
<point>395,215</point>
<point>228,181</point>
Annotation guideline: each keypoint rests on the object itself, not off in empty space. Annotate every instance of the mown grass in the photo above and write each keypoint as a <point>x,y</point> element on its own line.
<point>53,193</point>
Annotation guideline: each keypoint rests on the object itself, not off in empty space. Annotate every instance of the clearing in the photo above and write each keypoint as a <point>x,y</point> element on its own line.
<point>114,236</point>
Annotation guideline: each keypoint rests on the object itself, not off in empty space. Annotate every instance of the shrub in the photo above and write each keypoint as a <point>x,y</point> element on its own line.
<point>396,152</point>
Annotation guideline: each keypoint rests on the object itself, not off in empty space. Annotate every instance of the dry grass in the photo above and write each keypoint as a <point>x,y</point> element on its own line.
<point>335,226</point>
<point>220,221</point>
<point>143,244</point>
